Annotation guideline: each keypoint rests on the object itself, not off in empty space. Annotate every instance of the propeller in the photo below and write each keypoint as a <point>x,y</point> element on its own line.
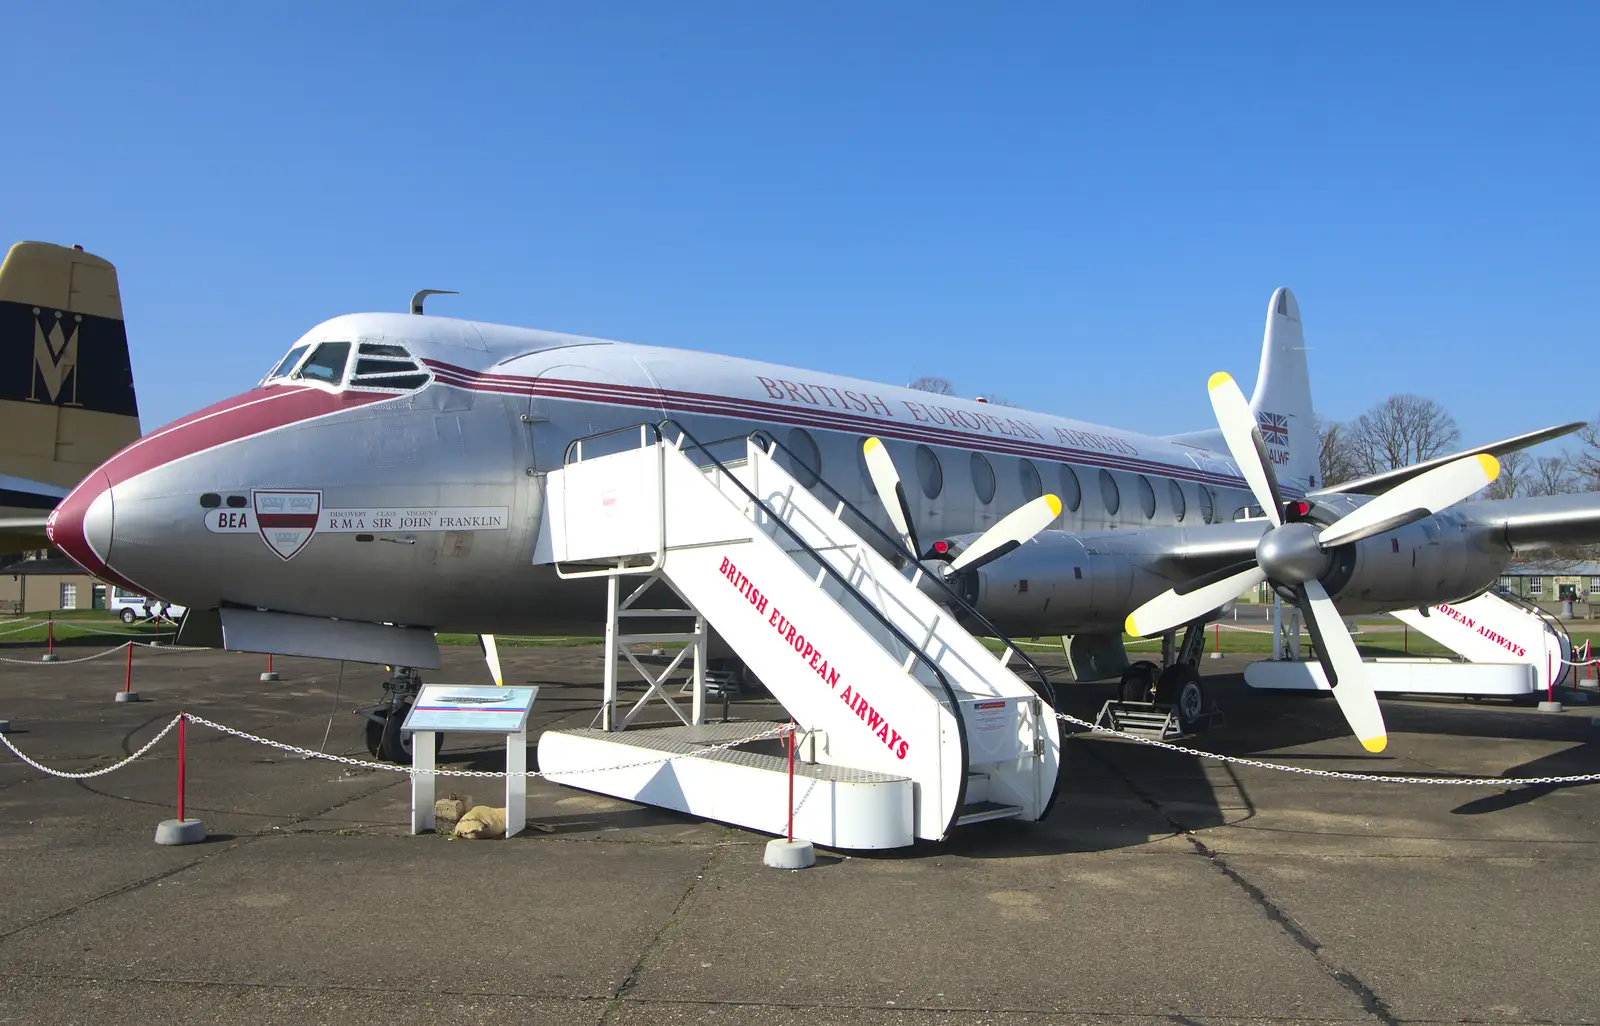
<point>1296,554</point>
<point>491,655</point>
<point>1013,529</point>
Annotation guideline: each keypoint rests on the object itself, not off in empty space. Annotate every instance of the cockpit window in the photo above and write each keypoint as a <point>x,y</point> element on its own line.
<point>383,365</point>
<point>288,362</point>
<point>326,364</point>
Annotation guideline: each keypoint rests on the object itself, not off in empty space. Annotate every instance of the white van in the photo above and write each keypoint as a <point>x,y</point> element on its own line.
<point>131,606</point>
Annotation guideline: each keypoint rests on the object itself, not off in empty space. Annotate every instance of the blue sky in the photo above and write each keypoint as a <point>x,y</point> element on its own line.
<point>1082,209</point>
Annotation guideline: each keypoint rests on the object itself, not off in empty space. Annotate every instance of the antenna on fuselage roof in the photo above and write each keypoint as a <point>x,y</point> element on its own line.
<point>422,294</point>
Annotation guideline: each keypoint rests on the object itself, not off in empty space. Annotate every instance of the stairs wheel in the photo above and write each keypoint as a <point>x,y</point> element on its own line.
<point>1180,687</point>
<point>1138,682</point>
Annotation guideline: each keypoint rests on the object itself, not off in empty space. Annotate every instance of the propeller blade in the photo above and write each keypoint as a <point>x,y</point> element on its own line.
<point>893,495</point>
<point>1336,651</point>
<point>1422,496</point>
<point>1244,443</point>
<point>491,655</point>
<point>1194,599</point>
<point>1013,529</point>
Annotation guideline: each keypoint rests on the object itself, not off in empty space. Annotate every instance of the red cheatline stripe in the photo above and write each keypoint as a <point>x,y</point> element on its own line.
<point>286,519</point>
<point>692,402</point>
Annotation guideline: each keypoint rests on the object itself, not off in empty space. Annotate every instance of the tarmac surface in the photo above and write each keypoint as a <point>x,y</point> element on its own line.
<point>1161,888</point>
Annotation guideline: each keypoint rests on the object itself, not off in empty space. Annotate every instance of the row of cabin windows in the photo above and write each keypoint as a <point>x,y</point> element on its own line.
<point>930,479</point>
<point>378,365</point>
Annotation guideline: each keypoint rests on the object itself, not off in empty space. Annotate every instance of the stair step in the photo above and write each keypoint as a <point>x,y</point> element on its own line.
<point>982,812</point>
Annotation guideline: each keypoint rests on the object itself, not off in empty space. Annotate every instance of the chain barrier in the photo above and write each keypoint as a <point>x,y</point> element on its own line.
<point>67,775</point>
<point>1095,731</point>
<point>311,753</point>
<point>152,646</point>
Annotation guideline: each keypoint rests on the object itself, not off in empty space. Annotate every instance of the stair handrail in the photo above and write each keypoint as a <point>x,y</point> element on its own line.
<point>1044,689</point>
<point>684,435</point>
<point>1551,621</point>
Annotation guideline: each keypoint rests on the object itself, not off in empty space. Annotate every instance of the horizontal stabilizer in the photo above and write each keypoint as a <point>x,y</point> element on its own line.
<point>1379,483</point>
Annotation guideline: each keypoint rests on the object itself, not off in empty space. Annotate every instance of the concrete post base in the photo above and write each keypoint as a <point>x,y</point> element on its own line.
<point>49,657</point>
<point>5,726</point>
<point>266,677</point>
<point>786,854</point>
<point>127,696</point>
<point>180,831</point>
<point>1550,707</point>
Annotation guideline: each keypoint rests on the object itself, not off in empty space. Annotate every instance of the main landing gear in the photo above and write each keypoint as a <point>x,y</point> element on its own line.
<point>385,739</point>
<point>1167,701</point>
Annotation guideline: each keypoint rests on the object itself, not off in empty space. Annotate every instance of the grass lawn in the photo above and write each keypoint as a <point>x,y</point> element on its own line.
<point>77,626</point>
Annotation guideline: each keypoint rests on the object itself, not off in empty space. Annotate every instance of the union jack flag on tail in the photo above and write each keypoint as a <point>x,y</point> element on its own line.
<point>1274,429</point>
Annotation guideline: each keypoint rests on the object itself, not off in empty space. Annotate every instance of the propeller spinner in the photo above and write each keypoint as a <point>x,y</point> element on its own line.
<point>1296,555</point>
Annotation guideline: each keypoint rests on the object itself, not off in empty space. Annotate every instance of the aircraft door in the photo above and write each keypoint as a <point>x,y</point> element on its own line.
<point>571,401</point>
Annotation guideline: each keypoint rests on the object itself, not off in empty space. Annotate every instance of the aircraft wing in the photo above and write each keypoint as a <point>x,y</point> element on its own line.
<point>1379,483</point>
<point>1525,525</point>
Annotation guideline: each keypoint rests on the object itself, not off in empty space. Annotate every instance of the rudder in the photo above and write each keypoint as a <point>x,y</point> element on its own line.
<point>1282,399</point>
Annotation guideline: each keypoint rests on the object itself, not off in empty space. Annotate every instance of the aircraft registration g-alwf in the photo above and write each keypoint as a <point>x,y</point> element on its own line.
<point>390,473</point>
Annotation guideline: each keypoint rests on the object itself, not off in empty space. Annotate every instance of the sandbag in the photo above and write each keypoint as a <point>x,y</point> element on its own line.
<point>481,822</point>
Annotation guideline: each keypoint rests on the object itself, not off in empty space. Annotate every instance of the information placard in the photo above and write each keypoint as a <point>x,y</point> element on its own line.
<point>485,710</point>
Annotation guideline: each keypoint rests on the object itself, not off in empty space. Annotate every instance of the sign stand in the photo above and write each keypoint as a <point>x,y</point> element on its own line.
<point>470,710</point>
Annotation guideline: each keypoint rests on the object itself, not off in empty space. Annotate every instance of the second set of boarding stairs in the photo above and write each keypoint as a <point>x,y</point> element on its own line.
<point>907,725</point>
<point>1510,648</point>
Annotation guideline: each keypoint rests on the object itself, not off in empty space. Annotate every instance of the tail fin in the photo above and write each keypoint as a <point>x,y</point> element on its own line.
<point>1282,399</point>
<point>66,384</point>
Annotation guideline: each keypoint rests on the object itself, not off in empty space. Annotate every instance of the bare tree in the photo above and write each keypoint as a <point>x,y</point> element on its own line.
<point>1586,461</point>
<point>1552,475</point>
<point>1336,460</point>
<point>1400,431</point>
<point>934,384</point>
<point>1513,480</point>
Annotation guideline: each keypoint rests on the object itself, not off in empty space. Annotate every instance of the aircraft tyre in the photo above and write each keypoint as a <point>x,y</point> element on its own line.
<point>1181,688</point>
<point>386,741</point>
<point>1138,682</point>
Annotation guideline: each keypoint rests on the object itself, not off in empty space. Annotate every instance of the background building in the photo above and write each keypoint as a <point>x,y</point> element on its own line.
<point>48,582</point>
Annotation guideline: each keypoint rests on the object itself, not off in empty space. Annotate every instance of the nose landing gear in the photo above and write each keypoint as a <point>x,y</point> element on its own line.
<point>385,738</point>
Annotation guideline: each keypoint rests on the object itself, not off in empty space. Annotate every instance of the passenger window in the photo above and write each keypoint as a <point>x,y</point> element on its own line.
<point>808,458</point>
<point>982,478</point>
<point>929,474</point>
<point>326,364</point>
<point>1147,497</point>
<point>1208,505</point>
<point>1032,487</point>
<point>1180,506</point>
<point>1071,491</point>
<point>1109,493</point>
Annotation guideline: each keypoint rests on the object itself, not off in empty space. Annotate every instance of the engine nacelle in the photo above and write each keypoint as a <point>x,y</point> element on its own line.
<point>1053,581</point>
<point>1443,558</point>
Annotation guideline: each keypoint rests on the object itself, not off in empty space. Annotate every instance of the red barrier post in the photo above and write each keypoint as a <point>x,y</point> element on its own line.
<point>1407,630</point>
<point>791,781</point>
<point>50,638</point>
<point>127,676</point>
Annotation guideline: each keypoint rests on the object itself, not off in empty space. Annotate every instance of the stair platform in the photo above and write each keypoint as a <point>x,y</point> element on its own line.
<point>835,806</point>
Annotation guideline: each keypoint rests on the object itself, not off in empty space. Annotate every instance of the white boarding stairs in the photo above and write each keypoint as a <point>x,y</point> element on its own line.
<point>1496,629</point>
<point>908,725</point>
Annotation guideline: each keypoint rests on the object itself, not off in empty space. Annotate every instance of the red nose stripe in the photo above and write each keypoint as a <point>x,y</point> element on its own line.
<point>252,413</point>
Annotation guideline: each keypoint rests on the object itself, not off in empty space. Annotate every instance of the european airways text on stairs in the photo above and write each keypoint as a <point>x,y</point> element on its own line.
<point>813,657</point>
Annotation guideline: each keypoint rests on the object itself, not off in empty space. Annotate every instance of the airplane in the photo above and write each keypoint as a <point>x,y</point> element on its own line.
<point>389,472</point>
<point>67,399</point>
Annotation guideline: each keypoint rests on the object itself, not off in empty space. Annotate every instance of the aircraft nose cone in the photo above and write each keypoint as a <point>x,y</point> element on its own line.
<point>82,525</point>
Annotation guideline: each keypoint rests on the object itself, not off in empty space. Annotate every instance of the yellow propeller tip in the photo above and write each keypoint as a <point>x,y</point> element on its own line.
<point>1375,744</point>
<point>1132,628</point>
<point>1218,379</point>
<point>870,444</point>
<point>1491,466</point>
<point>1055,504</point>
